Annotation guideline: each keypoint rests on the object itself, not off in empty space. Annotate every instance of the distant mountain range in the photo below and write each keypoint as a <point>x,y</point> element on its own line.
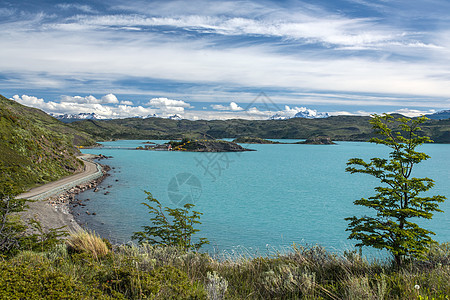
<point>304,114</point>
<point>338,128</point>
<point>440,115</point>
<point>69,118</point>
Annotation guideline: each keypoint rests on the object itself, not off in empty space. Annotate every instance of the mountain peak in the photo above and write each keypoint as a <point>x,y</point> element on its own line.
<point>175,117</point>
<point>67,118</point>
<point>297,112</point>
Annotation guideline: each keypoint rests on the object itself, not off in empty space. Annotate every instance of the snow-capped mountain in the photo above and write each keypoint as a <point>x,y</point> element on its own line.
<point>278,117</point>
<point>175,117</point>
<point>310,114</point>
<point>76,117</point>
<point>298,112</point>
<point>151,116</point>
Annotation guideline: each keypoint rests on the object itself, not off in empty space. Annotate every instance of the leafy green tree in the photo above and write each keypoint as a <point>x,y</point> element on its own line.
<point>397,202</point>
<point>11,229</point>
<point>173,227</point>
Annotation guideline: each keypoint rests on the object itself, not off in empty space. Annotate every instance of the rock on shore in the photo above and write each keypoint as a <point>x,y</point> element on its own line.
<point>62,201</point>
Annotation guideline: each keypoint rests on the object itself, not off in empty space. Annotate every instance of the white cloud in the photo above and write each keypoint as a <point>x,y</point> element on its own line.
<point>80,105</point>
<point>253,66</point>
<point>126,109</point>
<point>165,102</point>
<point>110,98</point>
<point>6,12</point>
<point>107,99</point>
<point>402,61</point>
<point>413,112</point>
<point>256,111</point>
<point>169,105</point>
<point>347,113</point>
<point>233,106</point>
<point>332,29</point>
<point>126,102</point>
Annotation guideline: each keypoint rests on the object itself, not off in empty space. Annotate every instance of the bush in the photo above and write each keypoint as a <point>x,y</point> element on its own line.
<point>89,242</point>
<point>171,226</point>
<point>20,280</point>
<point>162,283</point>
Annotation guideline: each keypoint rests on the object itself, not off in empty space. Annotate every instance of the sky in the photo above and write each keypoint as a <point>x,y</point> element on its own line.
<point>226,59</point>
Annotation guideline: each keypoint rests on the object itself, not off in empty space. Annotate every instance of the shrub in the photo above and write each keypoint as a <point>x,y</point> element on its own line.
<point>216,287</point>
<point>171,226</point>
<point>19,280</point>
<point>162,283</point>
<point>89,242</point>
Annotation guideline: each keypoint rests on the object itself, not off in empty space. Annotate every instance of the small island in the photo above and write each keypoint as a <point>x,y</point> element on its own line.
<point>189,145</point>
<point>253,140</point>
<point>318,140</point>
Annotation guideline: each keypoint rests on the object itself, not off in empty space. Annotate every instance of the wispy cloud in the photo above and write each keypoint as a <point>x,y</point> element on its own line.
<point>6,12</point>
<point>332,30</point>
<point>70,6</point>
<point>208,52</point>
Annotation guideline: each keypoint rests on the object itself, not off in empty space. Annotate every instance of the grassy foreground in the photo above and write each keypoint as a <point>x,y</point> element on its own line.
<point>87,267</point>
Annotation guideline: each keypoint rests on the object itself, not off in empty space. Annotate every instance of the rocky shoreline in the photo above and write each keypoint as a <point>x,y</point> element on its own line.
<point>66,200</point>
<point>62,204</point>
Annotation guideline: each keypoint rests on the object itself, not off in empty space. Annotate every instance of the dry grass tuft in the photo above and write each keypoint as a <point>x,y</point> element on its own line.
<point>88,241</point>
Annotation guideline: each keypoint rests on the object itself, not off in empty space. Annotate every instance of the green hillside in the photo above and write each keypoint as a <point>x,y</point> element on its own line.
<point>339,128</point>
<point>35,148</point>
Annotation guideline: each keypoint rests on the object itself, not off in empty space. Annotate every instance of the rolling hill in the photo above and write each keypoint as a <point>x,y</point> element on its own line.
<point>35,148</point>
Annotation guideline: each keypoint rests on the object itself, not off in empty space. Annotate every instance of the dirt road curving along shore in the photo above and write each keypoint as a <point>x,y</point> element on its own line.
<point>54,216</point>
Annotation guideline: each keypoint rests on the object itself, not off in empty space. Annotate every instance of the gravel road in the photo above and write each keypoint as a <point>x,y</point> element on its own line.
<point>49,215</point>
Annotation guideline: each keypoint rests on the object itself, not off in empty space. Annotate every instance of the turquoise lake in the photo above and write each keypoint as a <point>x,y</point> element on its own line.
<point>258,200</point>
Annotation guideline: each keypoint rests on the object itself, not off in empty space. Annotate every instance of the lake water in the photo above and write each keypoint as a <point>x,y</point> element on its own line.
<point>258,200</point>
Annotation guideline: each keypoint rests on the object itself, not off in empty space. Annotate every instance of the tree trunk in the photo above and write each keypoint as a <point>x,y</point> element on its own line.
<point>398,260</point>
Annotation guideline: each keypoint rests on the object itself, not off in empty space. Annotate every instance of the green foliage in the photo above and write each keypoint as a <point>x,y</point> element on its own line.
<point>40,239</point>
<point>170,226</point>
<point>11,230</point>
<point>165,272</point>
<point>20,280</point>
<point>397,202</point>
<point>162,283</point>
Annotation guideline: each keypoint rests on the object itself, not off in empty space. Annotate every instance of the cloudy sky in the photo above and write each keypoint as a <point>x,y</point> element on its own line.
<point>223,59</point>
